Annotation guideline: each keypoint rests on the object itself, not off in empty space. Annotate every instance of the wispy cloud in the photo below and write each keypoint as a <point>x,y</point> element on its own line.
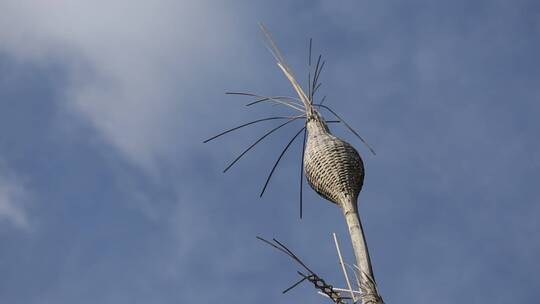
<point>125,61</point>
<point>13,196</point>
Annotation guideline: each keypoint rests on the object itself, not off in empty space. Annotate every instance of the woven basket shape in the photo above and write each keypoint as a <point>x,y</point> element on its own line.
<point>333,168</point>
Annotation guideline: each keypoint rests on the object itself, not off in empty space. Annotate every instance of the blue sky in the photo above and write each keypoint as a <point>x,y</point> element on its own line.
<point>108,195</point>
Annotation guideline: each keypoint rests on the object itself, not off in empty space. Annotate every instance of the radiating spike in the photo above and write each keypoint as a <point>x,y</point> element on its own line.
<point>309,85</point>
<point>279,158</point>
<point>309,64</point>
<point>296,258</point>
<point>294,285</point>
<point>286,99</point>
<point>310,43</point>
<point>314,82</point>
<point>274,245</point>
<point>267,98</point>
<point>319,72</point>
<point>302,170</point>
<point>245,125</point>
<point>316,88</point>
<point>259,140</point>
<point>349,127</point>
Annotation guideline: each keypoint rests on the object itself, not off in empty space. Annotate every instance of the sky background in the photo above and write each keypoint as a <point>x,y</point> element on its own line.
<point>108,195</point>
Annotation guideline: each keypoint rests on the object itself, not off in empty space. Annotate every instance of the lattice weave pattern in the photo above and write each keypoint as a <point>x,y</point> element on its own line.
<point>326,289</point>
<point>333,168</point>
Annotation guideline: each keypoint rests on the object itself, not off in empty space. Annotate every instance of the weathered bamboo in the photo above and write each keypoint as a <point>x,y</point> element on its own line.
<point>335,170</point>
<point>357,237</point>
<point>370,293</point>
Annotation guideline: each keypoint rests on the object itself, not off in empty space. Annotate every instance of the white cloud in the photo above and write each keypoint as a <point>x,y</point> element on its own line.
<point>12,199</point>
<point>131,64</point>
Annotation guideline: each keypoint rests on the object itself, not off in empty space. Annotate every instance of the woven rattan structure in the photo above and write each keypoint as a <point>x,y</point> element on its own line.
<point>333,167</point>
<point>335,170</point>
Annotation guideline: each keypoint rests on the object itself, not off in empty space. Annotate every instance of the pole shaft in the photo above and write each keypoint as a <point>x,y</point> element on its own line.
<point>370,294</point>
<point>356,232</point>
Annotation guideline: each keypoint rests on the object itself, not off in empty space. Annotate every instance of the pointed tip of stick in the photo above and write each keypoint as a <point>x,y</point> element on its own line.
<point>229,166</point>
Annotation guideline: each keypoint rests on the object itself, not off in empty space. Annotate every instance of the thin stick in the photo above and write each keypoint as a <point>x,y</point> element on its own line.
<point>310,43</point>
<point>286,250</point>
<point>343,267</point>
<point>316,69</point>
<point>261,96</point>
<point>316,88</point>
<point>340,289</point>
<point>266,98</point>
<point>291,100</point>
<point>322,100</point>
<point>286,69</point>
<point>245,125</point>
<point>294,256</point>
<point>343,289</point>
<point>364,274</point>
<point>335,289</point>
<point>318,74</point>
<point>273,47</point>
<point>323,294</point>
<point>309,65</point>
<point>294,285</point>
<point>274,245</point>
<point>349,127</point>
<point>279,158</point>
<point>259,140</point>
<point>309,85</point>
<point>355,275</point>
<point>302,170</point>
<point>314,82</point>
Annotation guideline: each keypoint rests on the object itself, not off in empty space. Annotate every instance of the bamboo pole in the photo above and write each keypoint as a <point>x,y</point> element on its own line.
<point>370,294</point>
<point>356,232</point>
